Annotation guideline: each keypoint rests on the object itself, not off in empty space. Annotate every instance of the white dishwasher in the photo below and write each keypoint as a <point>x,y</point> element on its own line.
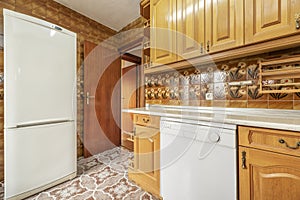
<point>198,160</point>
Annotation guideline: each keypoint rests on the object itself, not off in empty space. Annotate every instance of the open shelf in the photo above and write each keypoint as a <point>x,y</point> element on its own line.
<point>145,9</point>
<point>280,75</point>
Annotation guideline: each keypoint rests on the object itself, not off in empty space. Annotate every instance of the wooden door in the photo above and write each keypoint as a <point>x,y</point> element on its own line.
<point>267,19</point>
<point>224,24</point>
<point>103,103</point>
<point>129,100</point>
<point>163,31</point>
<point>190,27</point>
<point>268,176</point>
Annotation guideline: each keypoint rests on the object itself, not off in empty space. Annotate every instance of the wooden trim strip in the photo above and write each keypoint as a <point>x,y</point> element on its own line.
<point>234,53</point>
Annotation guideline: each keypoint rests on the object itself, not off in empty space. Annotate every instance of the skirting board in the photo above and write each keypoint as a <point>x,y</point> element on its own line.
<point>40,189</point>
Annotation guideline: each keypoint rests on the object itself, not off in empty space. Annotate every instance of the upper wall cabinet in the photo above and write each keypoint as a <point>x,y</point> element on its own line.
<point>163,32</point>
<point>224,24</point>
<point>267,19</point>
<point>190,27</point>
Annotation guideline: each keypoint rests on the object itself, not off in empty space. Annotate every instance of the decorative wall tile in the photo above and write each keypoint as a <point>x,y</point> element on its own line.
<point>257,104</point>
<point>280,104</point>
<point>280,96</point>
<point>252,71</point>
<point>296,105</point>
<point>237,104</point>
<point>254,94</point>
<point>220,91</point>
<point>237,93</point>
<point>238,73</point>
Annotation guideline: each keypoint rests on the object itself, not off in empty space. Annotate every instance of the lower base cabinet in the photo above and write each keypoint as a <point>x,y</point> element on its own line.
<point>269,164</point>
<point>145,170</point>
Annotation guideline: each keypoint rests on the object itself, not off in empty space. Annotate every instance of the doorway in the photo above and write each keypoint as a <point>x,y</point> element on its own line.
<point>130,93</point>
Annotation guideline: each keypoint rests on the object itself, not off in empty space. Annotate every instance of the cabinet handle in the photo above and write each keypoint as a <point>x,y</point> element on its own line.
<point>134,131</point>
<point>244,166</point>
<point>150,140</point>
<point>282,141</point>
<point>208,46</point>
<point>297,18</point>
<point>145,120</point>
<point>201,48</point>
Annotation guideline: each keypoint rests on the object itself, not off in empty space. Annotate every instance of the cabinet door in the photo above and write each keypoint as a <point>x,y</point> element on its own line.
<point>147,158</point>
<point>190,27</point>
<point>266,19</point>
<point>224,24</point>
<point>268,176</point>
<point>163,31</point>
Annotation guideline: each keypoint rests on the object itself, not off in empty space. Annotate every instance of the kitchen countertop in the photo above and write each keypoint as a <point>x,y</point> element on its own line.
<point>265,118</point>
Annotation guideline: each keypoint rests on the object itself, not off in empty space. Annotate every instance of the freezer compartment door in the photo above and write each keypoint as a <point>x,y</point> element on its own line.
<point>40,72</point>
<point>37,156</point>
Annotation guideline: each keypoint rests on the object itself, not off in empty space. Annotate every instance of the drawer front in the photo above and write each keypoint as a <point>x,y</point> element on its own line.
<point>286,142</point>
<point>147,120</point>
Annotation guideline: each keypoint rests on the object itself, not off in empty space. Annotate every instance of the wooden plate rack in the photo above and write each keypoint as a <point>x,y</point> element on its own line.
<point>280,75</point>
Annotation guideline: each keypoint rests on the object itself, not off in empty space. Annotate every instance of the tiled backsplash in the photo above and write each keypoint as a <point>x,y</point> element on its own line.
<point>196,85</point>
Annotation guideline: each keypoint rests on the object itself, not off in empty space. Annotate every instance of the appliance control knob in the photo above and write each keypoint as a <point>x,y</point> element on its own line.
<point>214,137</point>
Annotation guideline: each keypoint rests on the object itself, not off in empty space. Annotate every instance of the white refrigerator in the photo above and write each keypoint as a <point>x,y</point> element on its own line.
<point>39,105</point>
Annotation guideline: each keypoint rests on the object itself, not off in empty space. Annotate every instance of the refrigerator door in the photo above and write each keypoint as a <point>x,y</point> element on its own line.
<point>39,155</point>
<point>40,71</point>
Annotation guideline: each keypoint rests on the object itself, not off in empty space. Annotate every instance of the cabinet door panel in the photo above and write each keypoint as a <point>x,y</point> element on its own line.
<point>190,27</point>
<point>269,176</point>
<point>163,35</point>
<point>224,24</point>
<point>267,19</point>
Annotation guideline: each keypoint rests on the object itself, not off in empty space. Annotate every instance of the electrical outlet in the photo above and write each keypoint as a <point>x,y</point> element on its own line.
<point>209,96</point>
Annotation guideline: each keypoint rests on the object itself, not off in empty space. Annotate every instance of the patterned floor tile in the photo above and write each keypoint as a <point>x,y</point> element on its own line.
<point>101,177</point>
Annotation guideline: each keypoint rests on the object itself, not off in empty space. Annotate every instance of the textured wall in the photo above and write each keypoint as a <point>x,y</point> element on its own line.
<point>131,32</point>
<point>51,11</point>
<point>189,86</point>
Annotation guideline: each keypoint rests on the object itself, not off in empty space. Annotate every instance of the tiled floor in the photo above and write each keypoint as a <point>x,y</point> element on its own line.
<point>101,177</point>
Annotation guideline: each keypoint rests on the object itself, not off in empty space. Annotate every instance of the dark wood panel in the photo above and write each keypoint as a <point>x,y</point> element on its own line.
<point>102,73</point>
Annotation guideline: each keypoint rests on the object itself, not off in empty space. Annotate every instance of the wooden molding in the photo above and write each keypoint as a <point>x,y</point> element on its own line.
<point>233,53</point>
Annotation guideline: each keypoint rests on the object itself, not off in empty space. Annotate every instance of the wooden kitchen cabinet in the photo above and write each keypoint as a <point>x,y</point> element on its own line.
<point>270,19</point>
<point>224,24</point>
<point>269,164</point>
<point>163,32</point>
<point>146,164</point>
<point>190,27</point>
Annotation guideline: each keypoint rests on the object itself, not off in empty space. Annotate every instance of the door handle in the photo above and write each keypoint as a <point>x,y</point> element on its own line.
<point>88,97</point>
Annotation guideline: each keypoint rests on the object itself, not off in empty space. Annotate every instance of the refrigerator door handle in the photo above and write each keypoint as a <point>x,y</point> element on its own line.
<point>41,123</point>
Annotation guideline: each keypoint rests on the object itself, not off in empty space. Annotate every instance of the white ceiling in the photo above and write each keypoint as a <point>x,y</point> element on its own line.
<point>115,14</point>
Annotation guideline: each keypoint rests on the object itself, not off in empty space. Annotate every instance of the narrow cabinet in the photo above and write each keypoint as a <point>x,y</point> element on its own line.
<point>267,19</point>
<point>146,164</point>
<point>190,28</point>
<point>269,164</point>
<point>224,24</point>
<point>163,31</point>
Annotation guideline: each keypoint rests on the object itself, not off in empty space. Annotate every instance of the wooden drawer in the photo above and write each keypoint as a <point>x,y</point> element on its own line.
<point>147,120</point>
<point>127,141</point>
<point>287,142</point>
